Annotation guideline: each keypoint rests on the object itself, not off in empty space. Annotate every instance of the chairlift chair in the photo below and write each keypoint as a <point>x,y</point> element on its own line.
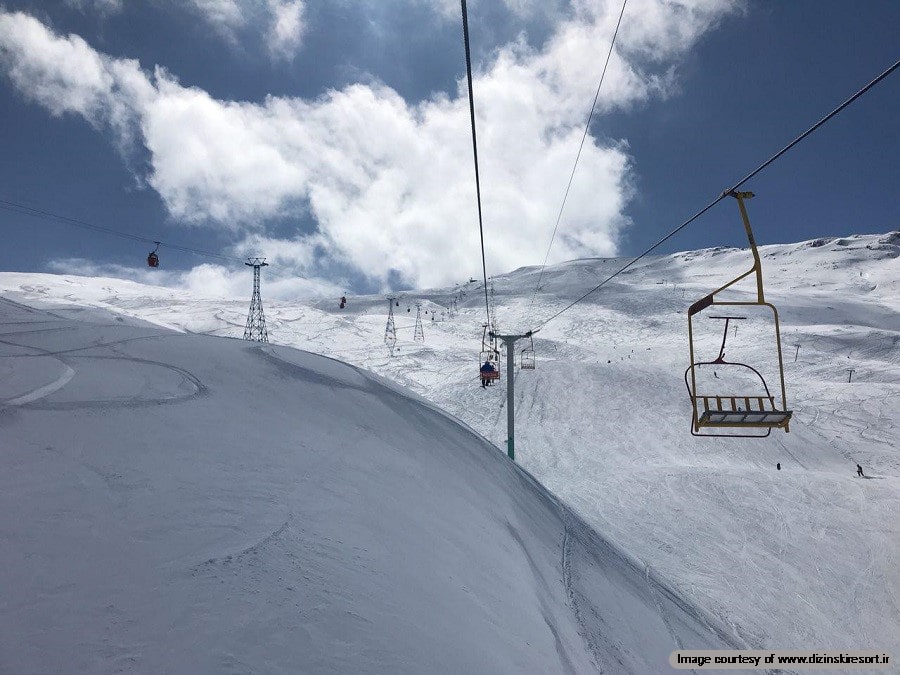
<point>758,411</point>
<point>489,354</point>
<point>526,357</point>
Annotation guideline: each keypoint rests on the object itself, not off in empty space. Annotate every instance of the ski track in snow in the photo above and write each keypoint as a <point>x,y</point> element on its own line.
<point>46,390</point>
<point>583,628</point>
<point>253,549</point>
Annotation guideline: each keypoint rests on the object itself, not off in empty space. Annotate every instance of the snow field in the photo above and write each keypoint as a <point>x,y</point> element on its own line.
<point>801,558</point>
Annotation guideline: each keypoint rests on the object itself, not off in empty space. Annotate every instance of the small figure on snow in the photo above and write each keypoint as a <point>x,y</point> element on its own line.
<point>343,301</point>
<point>778,466</point>
<point>859,471</point>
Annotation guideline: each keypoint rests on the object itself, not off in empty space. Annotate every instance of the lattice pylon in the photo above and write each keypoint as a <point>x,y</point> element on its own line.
<point>255,330</point>
<point>390,330</point>
<point>419,332</point>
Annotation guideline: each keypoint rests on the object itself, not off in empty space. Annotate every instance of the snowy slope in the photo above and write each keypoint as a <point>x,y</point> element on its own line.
<point>193,504</point>
<point>802,558</point>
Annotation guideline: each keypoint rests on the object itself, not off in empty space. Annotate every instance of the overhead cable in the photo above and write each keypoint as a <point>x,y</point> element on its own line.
<point>48,215</point>
<point>587,127</point>
<point>465,21</point>
<point>727,192</point>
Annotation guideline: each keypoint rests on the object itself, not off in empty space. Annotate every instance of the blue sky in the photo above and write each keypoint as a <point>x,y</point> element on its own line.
<point>333,138</point>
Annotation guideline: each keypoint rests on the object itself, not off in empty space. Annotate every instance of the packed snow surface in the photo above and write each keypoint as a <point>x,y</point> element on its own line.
<point>174,503</point>
<point>802,557</point>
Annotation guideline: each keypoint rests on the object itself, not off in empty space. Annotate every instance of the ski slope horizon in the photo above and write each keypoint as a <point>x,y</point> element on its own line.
<point>804,557</point>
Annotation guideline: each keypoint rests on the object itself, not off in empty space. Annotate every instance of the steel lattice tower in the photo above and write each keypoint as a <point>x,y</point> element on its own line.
<point>390,331</point>
<point>419,332</point>
<point>256,320</point>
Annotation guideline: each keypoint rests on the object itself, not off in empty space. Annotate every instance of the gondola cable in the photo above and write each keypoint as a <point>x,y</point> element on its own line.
<point>15,207</point>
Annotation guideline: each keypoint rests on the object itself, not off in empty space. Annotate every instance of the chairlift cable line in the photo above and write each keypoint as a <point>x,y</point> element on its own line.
<point>726,193</point>
<point>15,207</point>
<point>465,22</point>
<point>587,127</point>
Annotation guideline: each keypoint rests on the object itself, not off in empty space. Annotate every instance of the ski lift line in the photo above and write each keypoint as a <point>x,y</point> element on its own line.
<point>14,207</point>
<point>587,127</point>
<point>465,22</point>
<point>729,192</point>
<point>818,124</point>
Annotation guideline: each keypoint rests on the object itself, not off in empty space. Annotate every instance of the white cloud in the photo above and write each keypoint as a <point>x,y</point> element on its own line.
<point>226,16</point>
<point>280,22</point>
<point>286,27</point>
<point>390,184</point>
<point>103,7</point>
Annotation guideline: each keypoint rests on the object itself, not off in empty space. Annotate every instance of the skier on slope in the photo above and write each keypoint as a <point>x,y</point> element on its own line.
<point>859,471</point>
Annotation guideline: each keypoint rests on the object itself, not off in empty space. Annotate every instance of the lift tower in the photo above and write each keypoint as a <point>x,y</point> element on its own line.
<point>256,320</point>
<point>418,331</point>
<point>510,342</point>
<point>390,331</point>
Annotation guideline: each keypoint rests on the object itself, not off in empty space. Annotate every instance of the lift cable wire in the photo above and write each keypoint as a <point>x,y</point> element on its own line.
<point>587,127</point>
<point>465,22</point>
<point>7,205</point>
<point>725,194</point>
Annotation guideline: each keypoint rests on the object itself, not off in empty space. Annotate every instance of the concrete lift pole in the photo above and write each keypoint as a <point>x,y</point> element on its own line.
<point>510,342</point>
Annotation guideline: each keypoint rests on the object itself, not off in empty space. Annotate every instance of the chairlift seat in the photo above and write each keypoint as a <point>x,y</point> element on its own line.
<point>492,375</point>
<point>740,411</point>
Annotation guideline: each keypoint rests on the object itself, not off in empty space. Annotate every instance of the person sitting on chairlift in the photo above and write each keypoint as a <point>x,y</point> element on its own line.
<point>488,367</point>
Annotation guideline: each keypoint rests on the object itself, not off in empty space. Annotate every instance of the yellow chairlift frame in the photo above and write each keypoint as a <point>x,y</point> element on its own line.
<point>759,411</point>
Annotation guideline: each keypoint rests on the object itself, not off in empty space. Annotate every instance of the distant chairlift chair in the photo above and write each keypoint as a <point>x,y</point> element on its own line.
<point>759,410</point>
<point>526,357</point>
<point>489,354</point>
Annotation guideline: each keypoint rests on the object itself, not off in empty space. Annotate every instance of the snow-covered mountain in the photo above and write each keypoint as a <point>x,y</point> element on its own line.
<point>804,557</point>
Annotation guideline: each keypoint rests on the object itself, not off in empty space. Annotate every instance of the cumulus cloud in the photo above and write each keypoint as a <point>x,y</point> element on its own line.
<point>389,184</point>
